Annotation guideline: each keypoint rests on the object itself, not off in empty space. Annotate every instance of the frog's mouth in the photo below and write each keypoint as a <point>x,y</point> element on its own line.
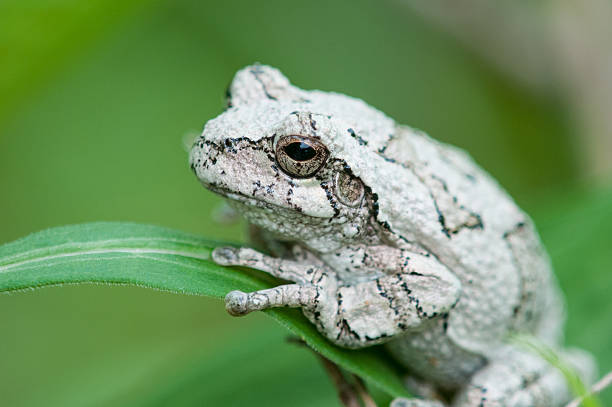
<point>260,202</point>
<point>245,199</point>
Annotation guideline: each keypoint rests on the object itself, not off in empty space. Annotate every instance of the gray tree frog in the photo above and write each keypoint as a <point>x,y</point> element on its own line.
<point>386,236</point>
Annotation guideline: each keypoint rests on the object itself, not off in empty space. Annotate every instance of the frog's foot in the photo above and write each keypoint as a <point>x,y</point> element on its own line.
<point>518,378</point>
<point>239,303</point>
<point>312,283</point>
<point>281,268</point>
<point>415,403</point>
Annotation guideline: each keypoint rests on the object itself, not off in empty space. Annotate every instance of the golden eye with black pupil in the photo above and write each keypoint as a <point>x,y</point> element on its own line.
<point>300,151</point>
<point>300,156</point>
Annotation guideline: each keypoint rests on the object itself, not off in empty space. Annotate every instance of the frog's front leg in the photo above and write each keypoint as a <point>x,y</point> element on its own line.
<point>411,292</point>
<point>311,280</point>
<point>417,289</point>
<point>240,303</point>
<point>282,268</point>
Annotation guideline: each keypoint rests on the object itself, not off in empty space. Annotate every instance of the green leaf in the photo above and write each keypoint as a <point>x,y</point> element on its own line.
<point>164,259</point>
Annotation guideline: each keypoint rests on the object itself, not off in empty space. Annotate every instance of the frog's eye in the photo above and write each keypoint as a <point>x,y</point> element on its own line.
<point>300,156</point>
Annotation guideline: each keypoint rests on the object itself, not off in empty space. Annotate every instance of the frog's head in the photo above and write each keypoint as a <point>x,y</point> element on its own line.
<point>290,159</point>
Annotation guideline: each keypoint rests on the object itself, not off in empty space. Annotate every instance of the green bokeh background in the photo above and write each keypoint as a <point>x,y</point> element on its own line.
<point>96,99</point>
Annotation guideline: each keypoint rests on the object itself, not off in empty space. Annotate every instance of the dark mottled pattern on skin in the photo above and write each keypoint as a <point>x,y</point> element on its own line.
<point>256,71</point>
<point>475,221</point>
<point>416,259</point>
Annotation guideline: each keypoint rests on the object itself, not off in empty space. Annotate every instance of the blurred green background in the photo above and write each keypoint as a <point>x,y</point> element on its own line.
<point>96,98</point>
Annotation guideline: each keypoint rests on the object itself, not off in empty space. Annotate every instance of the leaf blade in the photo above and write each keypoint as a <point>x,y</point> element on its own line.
<point>168,260</point>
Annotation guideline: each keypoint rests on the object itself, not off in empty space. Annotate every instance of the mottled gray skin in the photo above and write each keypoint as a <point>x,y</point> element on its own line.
<point>395,239</point>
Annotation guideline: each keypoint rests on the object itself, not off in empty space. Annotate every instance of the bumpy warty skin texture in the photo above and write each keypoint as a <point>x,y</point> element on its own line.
<point>430,255</point>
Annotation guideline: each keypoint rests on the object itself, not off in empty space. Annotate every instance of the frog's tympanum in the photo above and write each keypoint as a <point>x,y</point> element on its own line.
<point>384,235</point>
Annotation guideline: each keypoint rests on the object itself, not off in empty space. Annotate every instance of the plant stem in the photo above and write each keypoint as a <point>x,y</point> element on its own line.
<point>351,395</point>
<point>597,387</point>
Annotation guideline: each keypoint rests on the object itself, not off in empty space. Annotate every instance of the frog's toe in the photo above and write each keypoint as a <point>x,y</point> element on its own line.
<point>236,303</point>
<point>401,402</point>
<point>225,256</point>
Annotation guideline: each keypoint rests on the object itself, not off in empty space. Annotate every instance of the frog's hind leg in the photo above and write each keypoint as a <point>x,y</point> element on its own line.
<point>519,378</point>
<point>516,378</point>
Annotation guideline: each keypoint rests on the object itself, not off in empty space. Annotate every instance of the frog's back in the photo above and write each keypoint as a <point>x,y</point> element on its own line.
<point>481,235</point>
<point>427,193</point>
